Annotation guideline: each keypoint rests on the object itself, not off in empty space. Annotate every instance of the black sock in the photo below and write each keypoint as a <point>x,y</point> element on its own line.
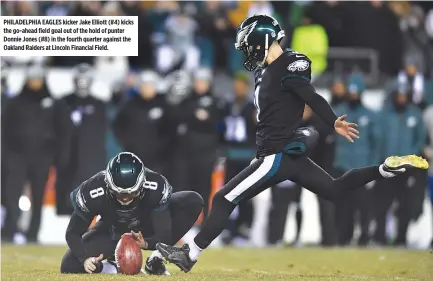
<point>215,222</point>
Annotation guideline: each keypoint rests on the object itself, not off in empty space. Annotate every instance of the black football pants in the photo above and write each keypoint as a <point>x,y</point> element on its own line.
<point>194,172</point>
<point>234,167</point>
<point>357,204</point>
<point>405,190</point>
<point>185,207</point>
<point>268,171</point>
<point>20,169</point>
<point>282,197</point>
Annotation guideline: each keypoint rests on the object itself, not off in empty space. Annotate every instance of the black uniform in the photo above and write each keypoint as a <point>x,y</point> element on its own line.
<point>87,155</point>
<point>196,144</point>
<point>32,124</point>
<point>157,213</point>
<point>282,90</point>
<point>144,128</point>
<point>322,154</point>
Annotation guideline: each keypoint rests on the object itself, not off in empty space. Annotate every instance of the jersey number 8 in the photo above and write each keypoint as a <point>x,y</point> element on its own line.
<point>97,192</point>
<point>100,191</point>
<point>152,185</point>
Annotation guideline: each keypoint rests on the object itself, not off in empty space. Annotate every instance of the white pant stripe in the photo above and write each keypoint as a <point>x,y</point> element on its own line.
<point>252,179</point>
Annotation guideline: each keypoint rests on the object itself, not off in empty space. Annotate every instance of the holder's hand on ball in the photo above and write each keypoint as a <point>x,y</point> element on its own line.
<point>91,263</point>
<point>138,237</point>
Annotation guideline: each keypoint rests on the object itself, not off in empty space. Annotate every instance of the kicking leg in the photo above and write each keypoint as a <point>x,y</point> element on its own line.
<point>315,179</point>
<point>270,170</point>
<point>318,181</point>
<point>261,174</point>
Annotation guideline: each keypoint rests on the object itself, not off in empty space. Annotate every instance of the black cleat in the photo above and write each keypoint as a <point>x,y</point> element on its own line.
<point>155,266</point>
<point>176,255</point>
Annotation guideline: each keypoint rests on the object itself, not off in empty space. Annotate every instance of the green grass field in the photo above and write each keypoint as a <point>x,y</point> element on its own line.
<point>41,263</point>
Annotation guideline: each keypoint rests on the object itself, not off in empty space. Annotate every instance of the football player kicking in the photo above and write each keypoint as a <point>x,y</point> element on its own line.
<point>282,88</point>
<point>131,199</point>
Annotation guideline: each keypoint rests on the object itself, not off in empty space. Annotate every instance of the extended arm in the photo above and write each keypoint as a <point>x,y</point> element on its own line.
<point>306,91</point>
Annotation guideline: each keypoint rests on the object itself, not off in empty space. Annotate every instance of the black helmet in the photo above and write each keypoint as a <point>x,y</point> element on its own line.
<point>125,177</point>
<point>254,37</point>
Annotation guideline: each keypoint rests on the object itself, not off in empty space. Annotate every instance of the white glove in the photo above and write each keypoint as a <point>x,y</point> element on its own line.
<point>91,263</point>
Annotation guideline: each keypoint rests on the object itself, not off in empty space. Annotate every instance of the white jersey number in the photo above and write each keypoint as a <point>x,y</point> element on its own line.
<point>97,192</point>
<point>152,185</point>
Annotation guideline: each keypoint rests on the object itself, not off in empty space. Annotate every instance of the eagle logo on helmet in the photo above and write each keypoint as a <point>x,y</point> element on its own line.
<point>299,65</point>
<point>243,34</point>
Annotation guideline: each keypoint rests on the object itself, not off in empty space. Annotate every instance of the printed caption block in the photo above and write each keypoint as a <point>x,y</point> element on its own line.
<point>69,36</point>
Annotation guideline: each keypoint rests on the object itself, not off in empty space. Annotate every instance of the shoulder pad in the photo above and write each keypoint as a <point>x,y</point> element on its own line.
<point>298,65</point>
<point>87,198</point>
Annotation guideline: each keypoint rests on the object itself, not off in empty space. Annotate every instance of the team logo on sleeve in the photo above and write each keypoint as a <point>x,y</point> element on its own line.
<point>166,193</point>
<point>81,202</point>
<point>299,65</point>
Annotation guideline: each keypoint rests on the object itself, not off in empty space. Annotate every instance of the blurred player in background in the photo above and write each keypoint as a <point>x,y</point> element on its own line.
<point>145,119</point>
<point>129,198</point>
<point>405,134</point>
<point>88,128</point>
<point>282,89</point>
<point>366,151</point>
<point>238,141</point>
<point>32,134</point>
<point>197,141</point>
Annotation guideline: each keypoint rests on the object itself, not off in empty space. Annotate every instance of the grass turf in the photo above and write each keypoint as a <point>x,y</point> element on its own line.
<point>41,263</point>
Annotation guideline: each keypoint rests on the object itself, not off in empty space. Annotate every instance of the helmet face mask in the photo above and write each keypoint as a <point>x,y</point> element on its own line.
<point>254,37</point>
<point>125,177</point>
<point>254,56</point>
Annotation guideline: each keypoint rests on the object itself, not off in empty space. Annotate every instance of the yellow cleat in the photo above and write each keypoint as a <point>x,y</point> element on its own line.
<point>405,162</point>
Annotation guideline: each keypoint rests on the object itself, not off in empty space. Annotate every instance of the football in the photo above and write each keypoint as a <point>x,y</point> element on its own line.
<point>128,256</point>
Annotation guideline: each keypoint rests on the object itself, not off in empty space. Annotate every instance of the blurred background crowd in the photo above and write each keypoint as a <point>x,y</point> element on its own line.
<point>184,106</point>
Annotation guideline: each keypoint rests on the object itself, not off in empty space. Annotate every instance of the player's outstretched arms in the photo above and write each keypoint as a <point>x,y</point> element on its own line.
<point>321,107</point>
<point>306,91</point>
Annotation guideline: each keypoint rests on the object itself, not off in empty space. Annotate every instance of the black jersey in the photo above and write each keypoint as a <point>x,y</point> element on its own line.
<point>91,199</point>
<point>279,110</point>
